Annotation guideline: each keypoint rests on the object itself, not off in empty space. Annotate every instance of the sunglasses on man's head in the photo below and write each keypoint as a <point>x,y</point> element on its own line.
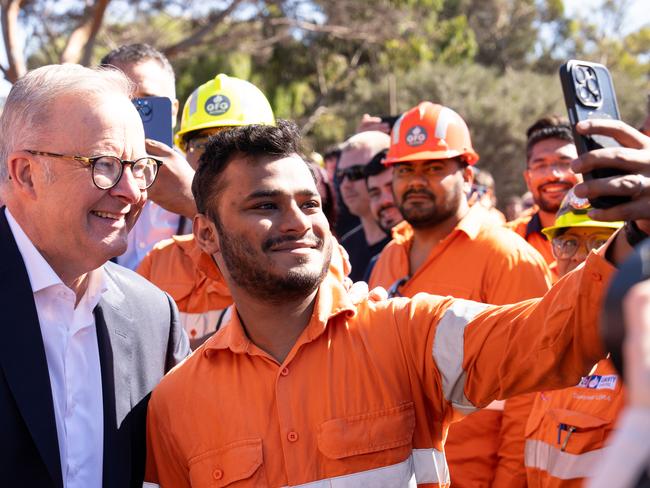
<point>353,173</point>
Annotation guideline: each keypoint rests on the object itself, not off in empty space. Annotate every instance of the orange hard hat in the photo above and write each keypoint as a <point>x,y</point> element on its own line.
<point>430,131</point>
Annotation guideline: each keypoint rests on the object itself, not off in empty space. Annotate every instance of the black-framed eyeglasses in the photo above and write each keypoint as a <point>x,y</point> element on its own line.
<point>353,173</point>
<point>107,170</point>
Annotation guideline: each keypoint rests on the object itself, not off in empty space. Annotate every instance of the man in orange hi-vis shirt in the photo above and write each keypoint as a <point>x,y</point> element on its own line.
<point>446,247</point>
<point>549,152</point>
<point>304,387</point>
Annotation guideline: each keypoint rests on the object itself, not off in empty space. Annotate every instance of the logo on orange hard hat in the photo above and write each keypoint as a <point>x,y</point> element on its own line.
<point>428,132</point>
<point>416,136</point>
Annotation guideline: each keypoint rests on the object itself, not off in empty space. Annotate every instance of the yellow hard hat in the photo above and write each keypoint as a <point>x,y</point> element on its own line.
<point>573,213</point>
<point>224,101</point>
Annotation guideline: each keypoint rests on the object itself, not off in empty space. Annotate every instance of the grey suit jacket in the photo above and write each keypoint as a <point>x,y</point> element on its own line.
<point>139,339</point>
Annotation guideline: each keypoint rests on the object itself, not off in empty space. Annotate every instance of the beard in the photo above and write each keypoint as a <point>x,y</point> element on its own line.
<point>551,206</point>
<point>427,216</point>
<point>252,270</point>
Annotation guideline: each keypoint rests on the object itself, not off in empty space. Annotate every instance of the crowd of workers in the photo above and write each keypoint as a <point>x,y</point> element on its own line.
<point>474,361</point>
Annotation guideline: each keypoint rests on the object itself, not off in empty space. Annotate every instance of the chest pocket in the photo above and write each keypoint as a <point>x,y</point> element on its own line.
<point>388,431</point>
<point>237,464</point>
<point>569,430</point>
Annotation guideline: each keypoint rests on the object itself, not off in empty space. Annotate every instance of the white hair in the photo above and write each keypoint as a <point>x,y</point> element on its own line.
<point>28,108</point>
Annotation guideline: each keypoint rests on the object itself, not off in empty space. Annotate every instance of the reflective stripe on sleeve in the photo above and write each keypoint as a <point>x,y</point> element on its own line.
<point>448,351</point>
<point>422,466</point>
<point>562,465</point>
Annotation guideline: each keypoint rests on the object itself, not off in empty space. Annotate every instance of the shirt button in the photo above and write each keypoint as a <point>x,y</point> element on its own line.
<point>217,474</point>
<point>597,276</point>
<point>292,436</point>
<point>142,245</point>
<point>284,372</point>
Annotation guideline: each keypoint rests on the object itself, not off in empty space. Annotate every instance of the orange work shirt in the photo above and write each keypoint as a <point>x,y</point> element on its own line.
<point>367,392</point>
<point>487,263</point>
<point>529,227</point>
<point>567,429</point>
<point>179,267</point>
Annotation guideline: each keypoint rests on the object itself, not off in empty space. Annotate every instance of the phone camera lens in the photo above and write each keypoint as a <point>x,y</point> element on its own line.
<point>592,84</point>
<point>145,109</point>
<point>584,94</point>
<point>581,76</point>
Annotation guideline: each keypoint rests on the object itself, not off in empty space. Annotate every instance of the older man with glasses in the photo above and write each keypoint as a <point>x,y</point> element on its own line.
<point>84,340</point>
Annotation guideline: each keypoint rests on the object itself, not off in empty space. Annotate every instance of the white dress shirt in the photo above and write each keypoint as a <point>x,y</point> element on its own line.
<point>70,340</point>
<point>153,225</point>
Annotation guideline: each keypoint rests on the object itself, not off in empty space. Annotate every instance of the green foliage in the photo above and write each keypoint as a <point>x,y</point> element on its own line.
<point>325,63</point>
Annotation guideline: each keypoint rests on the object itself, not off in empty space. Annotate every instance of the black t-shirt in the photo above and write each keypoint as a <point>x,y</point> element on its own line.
<point>360,252</point>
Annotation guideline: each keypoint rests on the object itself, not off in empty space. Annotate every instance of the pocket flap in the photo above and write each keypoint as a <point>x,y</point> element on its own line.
<point>220,467</point>
<point>369,432</point>
<point>582,421</point>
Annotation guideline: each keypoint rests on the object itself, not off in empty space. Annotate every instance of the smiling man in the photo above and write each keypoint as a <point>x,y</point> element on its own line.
<point>303,387</point>
<point>549,152</point>
<point>84,341</point>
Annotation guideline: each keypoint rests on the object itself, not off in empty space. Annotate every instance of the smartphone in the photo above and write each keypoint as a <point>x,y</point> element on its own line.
<point>389,119</point>
<point>589,94</point>
<point>156,115</point>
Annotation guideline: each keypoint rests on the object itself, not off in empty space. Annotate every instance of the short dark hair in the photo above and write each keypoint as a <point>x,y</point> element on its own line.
<point>376,165</point>
<point>250,142</point>
<point>332,152</point>
<point>136,53</point>
<point>548,127</point>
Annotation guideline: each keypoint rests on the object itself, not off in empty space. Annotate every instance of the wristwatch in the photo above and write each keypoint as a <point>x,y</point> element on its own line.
<point>633,234</point>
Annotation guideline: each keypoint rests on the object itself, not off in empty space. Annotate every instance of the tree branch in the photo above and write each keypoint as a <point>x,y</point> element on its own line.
<point>16,66</point>
<point>213,20</point>
<point>81,42</point>
<point>335,30</point>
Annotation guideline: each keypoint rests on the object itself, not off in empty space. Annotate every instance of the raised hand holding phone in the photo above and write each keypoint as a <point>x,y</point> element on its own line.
<point>589,95</point>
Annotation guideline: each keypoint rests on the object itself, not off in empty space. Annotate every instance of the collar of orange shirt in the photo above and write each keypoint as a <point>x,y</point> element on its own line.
<point>471,225</point>
<point>332,300</point>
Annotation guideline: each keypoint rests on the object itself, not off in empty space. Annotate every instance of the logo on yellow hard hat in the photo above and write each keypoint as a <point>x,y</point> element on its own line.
<point>217,105</point>
<point>416,136</point>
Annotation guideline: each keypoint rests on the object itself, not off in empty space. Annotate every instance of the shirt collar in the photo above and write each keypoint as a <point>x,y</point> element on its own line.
<point>332,300</point>
<point>534,225</point>
<point>41,275</point>
<point>470,224</point>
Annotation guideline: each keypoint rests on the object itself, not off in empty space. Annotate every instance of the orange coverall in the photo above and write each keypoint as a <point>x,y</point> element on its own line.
<point>530,228</point>
<point>567,429</point>
<point>487,263</point>
<point>367,393</point>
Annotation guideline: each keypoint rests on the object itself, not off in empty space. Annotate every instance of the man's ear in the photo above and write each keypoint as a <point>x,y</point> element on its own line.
<point>526,175</point>
<point>20,168</point>
<point>205,233</point>
<point>468,179</point>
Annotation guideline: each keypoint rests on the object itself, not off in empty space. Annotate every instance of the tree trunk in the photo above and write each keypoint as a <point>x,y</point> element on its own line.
<point>15,58</point>
<point>79,48</point>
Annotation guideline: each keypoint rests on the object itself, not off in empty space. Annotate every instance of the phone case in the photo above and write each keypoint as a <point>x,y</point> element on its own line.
<point>589,94</point>
<point>156,115</point>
